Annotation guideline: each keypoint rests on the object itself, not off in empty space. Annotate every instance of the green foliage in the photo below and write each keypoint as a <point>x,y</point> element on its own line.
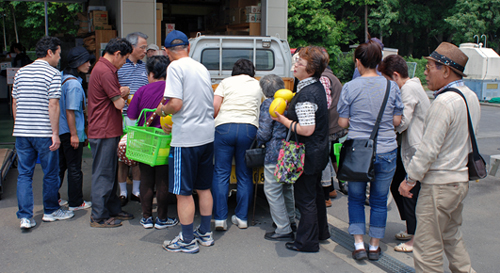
<point>343,66</point>
<point>475,18</point>
<point>31,21</point>
<point>419,72</point>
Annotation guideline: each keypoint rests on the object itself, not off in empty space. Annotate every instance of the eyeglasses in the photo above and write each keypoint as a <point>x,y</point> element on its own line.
<point>143,47</point>
<point>428,66</point>
<point>299,64</point>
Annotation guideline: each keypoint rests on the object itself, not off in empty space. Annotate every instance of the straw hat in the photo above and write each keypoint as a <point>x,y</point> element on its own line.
<point>451,56</point>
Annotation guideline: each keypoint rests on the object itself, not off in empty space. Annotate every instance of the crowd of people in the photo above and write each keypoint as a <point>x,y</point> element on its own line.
<point>421,148</point>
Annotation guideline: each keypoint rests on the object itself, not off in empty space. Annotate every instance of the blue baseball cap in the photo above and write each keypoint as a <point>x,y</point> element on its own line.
<point>176,35</point>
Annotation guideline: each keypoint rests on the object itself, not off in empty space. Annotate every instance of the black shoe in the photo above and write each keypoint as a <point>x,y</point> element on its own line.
<point>133,197</point>
<point>123,200</point>
<point>273,236</point>
<point>123,215</point>
<point>105,223</point>
<point>291,246</point>
<point>342,188</point>
<point>359,254</point>
<point>374,255</point>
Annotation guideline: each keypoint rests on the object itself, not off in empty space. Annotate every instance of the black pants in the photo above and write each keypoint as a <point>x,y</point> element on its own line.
<point>406,206</point>
<point>151,176</point>
<point>105,201</point>
<point>70,159</point>
<point>310,201</point>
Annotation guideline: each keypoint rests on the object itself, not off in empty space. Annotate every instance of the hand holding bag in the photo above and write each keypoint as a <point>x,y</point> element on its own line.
<point>254,157</point>
<point>357,156</point>
<point>476,163</point>
<point>290,159</point>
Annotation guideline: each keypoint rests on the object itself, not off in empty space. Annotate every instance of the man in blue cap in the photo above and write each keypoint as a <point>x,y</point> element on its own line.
<point>72,125</point>
<point>189,90</point>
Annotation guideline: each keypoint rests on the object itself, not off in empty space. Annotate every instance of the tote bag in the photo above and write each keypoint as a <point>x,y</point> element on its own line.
<point>290,159</point>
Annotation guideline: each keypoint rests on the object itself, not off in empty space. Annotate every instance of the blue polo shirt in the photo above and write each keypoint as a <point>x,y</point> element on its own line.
<point>72,98</point>
<point>132,75</point>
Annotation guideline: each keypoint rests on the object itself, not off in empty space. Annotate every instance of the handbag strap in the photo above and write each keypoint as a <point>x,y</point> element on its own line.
<point>290,132</point>
<point>472,136</point>
<point>153,116</point>
<point>381,112</point>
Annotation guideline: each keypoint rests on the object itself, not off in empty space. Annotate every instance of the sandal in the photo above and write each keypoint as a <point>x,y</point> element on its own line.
<point>402,235</point>
<point>403,248</point>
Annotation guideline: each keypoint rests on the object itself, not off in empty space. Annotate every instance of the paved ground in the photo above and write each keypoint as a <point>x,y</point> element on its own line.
<point>72,245</point>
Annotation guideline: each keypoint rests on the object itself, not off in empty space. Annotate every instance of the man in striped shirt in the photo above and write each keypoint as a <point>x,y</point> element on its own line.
<point>35,107</point>
<point>133,75</point>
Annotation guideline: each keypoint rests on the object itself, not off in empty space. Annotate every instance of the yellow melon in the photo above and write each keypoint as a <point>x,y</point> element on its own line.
<point>284,94</point>
<point>166,120</point>
<point>278,105</point>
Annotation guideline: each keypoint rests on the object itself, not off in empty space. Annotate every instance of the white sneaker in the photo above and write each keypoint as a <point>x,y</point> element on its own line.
<point>238,222</point>
<point>27,223</point>
<point>60,214</point>
<point>84,205</point>
<point>63,202</point>
<point>221,225</point>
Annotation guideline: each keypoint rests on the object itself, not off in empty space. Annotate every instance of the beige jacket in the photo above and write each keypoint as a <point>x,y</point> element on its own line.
<point>441,157</point>
<point>411,127</point>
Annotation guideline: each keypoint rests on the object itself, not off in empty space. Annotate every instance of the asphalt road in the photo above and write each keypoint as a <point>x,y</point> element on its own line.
<point>73,246</point>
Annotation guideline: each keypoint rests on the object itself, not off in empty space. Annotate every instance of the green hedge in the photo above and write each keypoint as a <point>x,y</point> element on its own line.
<point>419,72</point>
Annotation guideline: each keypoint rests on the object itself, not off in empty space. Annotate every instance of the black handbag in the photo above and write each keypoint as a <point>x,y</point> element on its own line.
<point>357,156</point>
<point>254,157</point>
<point>475,163</point>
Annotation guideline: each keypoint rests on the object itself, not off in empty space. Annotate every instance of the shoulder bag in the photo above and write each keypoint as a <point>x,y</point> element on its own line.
<point>357,156</point>
<point>254,157</point>
<point>476,163</point>
<point>290,164</point>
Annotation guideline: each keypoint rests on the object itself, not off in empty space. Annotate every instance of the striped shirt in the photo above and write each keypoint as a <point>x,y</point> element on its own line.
<point>133,75</point>
<point>34,85</point>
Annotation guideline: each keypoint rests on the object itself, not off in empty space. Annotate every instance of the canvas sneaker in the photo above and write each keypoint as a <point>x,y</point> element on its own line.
<point>60,214</point>
<point>84,205</point>
<point>147,222</point>
<point>162,224</point>
<point>203,239</point>
<point>178,245</point>
<point>238,222</point>
<point>220,225</point>
<point>27,223</point>
<point>62,202</point>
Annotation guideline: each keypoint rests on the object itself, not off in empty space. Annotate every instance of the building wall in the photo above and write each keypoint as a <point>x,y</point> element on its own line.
<point>275,13</point>
<point>138,15</point>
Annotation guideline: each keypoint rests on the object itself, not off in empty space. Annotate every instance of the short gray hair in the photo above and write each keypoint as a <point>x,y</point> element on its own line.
<point>134,36</point>
<point>270,84</point>
<point>179,47</point>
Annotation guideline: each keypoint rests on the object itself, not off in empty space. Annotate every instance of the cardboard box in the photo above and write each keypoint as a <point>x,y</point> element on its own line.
<point>99,17</point>
<point>252,9</point>
<point>237,16</point>
<point>242,3</point>
<point>254,29</point>
<point>253,18</point>
<point>103,27</point>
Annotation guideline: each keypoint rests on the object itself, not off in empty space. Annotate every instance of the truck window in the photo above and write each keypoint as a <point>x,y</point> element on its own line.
<point>210,58</point>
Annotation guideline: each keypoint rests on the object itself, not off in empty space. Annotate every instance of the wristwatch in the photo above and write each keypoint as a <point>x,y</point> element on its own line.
<point>410,181</point>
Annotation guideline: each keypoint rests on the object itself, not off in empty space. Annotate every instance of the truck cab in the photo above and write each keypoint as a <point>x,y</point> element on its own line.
<point>218,54</point>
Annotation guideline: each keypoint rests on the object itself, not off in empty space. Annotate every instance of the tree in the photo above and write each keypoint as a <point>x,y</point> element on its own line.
<point>30,20</point>
<point>475,18</point>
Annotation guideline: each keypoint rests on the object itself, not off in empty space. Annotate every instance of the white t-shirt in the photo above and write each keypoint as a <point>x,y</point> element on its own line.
<point>189,81</point>
<point>242,98</point>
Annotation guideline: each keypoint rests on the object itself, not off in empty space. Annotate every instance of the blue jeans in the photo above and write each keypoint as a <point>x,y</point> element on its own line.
<point>232,139</point>
<point>28,148</point>
<point>385,165</point>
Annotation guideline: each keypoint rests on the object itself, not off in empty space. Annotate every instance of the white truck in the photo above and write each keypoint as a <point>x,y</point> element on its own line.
<point>218,54</point>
